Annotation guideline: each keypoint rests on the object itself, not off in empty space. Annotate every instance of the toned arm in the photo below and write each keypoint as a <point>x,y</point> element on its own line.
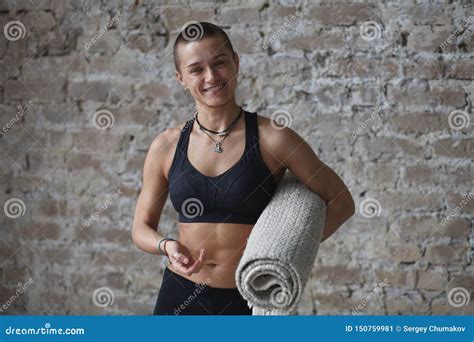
<point>153,195</point>
<point>297,156</point>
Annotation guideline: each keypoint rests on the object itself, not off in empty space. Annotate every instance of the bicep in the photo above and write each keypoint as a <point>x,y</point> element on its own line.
<point>298,156</point>
<point>154,190</point>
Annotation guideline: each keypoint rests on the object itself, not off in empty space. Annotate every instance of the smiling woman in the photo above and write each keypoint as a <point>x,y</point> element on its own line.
<point>220,174</point>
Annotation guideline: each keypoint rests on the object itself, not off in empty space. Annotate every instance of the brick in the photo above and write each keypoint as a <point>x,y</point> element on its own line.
<point>342,14</point>
<point>419,123</point>
<point>431,280</point>
<point>385,148</point>
<point>441,254</point>
<point>121,90</point>
<point>93,90</point>
<point>454,148</point>
<point>234,15</point>
<point>418,95</point>
<point>40,22</point>
<point>154,90</point>
<point>321,41</point>
<point>419,227</point>
<point>28,5</point>
<point>451,97</point>
<point>461,202</point>
<point>44,230</point>
<point>409,200</point>
<point>364,67</point>
<point>396,278</point>
<point>35,69</point>
<point>246,42</point>
<point>175,17</point>
<point>106,44</point>
<point>461,280</point>
<point>408,252</point>
<point>425,68</point>
<point>35,90</point>
<point>282,12</point>
<point>338,275</point>
<point>408,303</point>
<point>422,174</point>
<point>427,39</point>
<point>461,70</point>
<point>425,15</point>
<point>364,95</point>
<point>459,175</point>
<point>441,306</point>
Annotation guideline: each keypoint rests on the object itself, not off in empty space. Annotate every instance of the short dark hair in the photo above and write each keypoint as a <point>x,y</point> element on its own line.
<point>197,30</point>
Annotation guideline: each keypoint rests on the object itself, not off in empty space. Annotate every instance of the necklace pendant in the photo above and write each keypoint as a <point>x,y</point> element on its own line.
<point>218,147</point>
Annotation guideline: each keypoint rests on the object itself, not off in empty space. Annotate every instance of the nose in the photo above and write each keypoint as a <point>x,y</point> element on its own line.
<point>210,75</point>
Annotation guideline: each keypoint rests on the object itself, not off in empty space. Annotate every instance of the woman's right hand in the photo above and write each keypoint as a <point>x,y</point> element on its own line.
<point>181,258</point>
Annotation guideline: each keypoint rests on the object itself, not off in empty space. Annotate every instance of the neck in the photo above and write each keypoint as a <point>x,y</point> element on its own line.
<point>218,118</point>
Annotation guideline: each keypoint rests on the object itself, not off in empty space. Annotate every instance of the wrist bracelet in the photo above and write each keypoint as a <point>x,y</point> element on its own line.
<point>159,243</point>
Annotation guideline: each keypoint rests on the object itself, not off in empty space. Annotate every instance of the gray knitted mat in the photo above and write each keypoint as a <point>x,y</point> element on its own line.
<point>281,249</point>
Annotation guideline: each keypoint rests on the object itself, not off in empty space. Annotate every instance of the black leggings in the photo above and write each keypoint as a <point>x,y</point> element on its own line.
<point>181,296</point>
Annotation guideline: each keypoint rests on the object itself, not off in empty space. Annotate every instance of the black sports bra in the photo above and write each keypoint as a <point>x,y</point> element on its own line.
<point>238,195</point>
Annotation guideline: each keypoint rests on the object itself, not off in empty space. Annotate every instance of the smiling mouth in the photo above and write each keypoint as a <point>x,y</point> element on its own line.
<point>216,88</point>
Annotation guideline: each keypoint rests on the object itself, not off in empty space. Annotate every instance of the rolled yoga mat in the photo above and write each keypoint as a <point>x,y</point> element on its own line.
<point>281,249</point>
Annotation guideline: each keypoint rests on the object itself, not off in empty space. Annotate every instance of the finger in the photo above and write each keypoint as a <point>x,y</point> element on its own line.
<point>202,255</point>
<point>200,261</point>
<point>195,267</point>
<point>180,267</point>
<point>181,258</point>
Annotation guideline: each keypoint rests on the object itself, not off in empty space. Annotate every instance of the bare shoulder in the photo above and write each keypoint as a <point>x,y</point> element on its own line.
<point>274,135</point>
<point>163,146</point>
<point>271,136</point>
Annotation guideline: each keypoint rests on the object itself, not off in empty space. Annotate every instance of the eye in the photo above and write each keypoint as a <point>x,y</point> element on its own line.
<point>195,70</point>
<point>219,62</point>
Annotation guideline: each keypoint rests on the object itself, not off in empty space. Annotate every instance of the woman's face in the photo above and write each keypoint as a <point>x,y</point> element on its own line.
<point>207,63</point>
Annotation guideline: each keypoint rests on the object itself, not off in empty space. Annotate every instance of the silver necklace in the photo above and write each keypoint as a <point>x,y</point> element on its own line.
<point>217,144</point>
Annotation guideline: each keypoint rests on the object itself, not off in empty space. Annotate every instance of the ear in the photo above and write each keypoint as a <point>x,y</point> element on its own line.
<point>237,60</point>
<point>179,77</point>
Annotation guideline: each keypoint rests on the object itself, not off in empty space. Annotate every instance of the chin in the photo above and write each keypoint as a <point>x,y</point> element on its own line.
<point>218,102</point>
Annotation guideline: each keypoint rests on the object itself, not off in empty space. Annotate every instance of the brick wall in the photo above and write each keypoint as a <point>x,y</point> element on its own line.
<point>382,92</point>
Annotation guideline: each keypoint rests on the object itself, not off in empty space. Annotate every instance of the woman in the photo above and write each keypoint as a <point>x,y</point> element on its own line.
<point>220,169</point>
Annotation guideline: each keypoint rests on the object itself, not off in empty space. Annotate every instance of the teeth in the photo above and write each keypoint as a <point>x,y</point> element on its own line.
<point>216,87</point>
